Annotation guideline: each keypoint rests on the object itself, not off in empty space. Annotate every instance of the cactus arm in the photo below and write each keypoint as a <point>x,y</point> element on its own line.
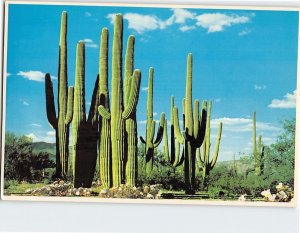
<point>129,57</point>
<point>177,132</point>
<point>103,112</point>
<point>142,140</point>
<point>177,154</point>
<point>201,130</point>
<point>50,106</point>
<point>216,152</point>
<point>160,131</point>
<point>199,156</point>
<point>93,113</point>
<point>166,143</point>
<point>134,93</point>
<point>152,131</point>
<point>69,115</point>
<point>196,118</point>
<point>254,134</point>
<point>181,159</point>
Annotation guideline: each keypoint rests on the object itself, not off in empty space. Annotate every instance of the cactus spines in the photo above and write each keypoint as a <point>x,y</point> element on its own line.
<point>194,129</point>
<point>258,150</point>
<point>207,163</point>
<point>120,113</point>
<point>151,143</point>
<point>84,131</point>
<point>65,104</point>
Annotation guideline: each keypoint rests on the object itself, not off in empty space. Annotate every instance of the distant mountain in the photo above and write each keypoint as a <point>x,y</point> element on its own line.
<point>45,147</point>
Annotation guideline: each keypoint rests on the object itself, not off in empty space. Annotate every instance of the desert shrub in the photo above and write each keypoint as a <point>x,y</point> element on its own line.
<point>21,163</point>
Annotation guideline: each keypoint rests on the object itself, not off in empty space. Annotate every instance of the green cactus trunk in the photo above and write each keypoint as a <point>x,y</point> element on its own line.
<point>85,131</point>
<point>258,150</point>
<point>118,114</point>
<point>150,142</point>
<point>130,147</point>
<point>194,130</point>
<point>105,134</point>
<point>65,104</point>
<point>204,160</point>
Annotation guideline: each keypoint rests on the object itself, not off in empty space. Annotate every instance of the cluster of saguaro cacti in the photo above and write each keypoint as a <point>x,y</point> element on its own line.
<point>258,150</point>
<point>204,160</point>
<point>65,104</point>
<point>194,130</point>
<point>172,155</point>
<point>110,129</point>
<point>121,115</point>
<point>150,142</point>
<point>84,131</point>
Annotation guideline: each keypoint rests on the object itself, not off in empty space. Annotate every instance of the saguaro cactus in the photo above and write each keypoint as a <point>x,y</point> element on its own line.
<point>118,114</point>
<point>150,142</point>
<point>194,132</point>
<point>84,131</point>
<point>172,156</point>
<point>65,104</point>
<point>105,143</point>
<point>258,150</point>
<point>206,163</point>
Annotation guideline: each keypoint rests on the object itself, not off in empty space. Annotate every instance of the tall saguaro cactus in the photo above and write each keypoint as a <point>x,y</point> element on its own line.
<point>150,142</point>
<point>194,129</point>
<point>84,131</point>
<point>172,155</point>
<point>207,163</point>
<point>105,133</point>
<point>118,114</point>
<point>65,104</point>
<point>258,150</point>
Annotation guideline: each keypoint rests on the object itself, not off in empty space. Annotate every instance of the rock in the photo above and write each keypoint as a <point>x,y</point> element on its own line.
<point>150,196</point>
<point>242,198</point>
<point>27,191</point>
<point>146,189</point>
<point>282,196</point>
<point>61,182</point>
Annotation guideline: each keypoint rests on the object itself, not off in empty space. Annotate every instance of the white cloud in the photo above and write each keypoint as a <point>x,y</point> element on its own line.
<point>144,88</point>
<point>244,32</point>
<point>8,74</point>
<point>216,22</point>
<point>187,28</point>
<point>51,133</point>
<point>88,103</point>
<point>288,101</point>
<point>260,87</point>
<point>34,75</point>
<point>33,136</point>
<point>154,113</point>
<point>181,15</point>
<point>90,43</point>
<point>35,125</point>
<point>87,14</point>
<point>143,122</point>
<point>242,125</point>
<point>218,100</point>
<point>213,22</point>
<point>45,137</point>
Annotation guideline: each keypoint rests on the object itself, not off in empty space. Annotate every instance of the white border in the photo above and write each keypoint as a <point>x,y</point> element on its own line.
<point>293,203</point>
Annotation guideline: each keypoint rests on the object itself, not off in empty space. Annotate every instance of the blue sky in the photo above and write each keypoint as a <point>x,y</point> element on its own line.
<point>243,61</point>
